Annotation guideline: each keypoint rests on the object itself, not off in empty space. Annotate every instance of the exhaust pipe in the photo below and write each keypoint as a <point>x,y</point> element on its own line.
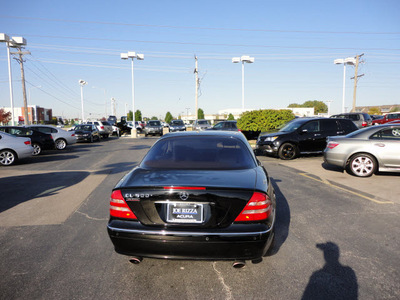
<point>136,260</point>
<point>239,264</point>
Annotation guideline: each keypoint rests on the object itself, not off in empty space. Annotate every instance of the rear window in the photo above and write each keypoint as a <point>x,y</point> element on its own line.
<point>200,153</point>
<point>177,122</point>
<point>154,123</point>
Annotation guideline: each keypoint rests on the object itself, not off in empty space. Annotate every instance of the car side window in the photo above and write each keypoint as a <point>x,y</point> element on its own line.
<point>312,126</point>
<point>328,125</point>
<point>53,130</point>
<point>44,129</point>
<point>387,134</point>
<point>219,125</point>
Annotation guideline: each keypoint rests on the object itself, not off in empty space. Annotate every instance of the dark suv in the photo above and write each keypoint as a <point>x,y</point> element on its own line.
<point>301,136</point>
<point>360,119</point>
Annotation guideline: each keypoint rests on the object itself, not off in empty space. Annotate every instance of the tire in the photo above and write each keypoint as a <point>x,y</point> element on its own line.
<point>7,157</point>
<point>362,165</point>
<point>37,149</point>
<point>97,138</point>
<point>61,144</point>
<point>91,139</point>
<point>288,151</point>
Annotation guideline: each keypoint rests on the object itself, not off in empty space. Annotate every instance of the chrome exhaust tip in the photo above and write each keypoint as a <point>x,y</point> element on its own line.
<point>239,264</point>
<point>135,260</point>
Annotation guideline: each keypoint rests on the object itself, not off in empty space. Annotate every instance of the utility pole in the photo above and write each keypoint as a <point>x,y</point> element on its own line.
<point>355,82</point>
<point>196,73</point>
<point>20,60</point>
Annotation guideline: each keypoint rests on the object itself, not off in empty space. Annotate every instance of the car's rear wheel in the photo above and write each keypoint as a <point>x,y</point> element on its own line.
<point>61,144</point>
<point>288,151</point>
<point>37,149</point>
<point>362,165</point>
<point>7,157</point>
<point>91,139</point>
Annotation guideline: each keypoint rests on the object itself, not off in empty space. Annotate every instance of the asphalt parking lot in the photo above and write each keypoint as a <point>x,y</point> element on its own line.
<point>379,188</point>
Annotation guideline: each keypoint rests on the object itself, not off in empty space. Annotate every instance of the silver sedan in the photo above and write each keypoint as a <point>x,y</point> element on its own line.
<point>365,151</point>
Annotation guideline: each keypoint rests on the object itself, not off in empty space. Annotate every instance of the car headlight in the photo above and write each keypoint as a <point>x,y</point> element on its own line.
<point>267,138</point>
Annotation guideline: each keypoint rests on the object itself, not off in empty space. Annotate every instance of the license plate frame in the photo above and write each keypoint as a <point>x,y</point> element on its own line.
<point>178,212</point>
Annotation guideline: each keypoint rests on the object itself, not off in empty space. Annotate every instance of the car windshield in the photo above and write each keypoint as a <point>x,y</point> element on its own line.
<point>203,122</point>
<point>199,153</point>
<point>177,122</point>
<point>83,127</point>
<point>154,123</point>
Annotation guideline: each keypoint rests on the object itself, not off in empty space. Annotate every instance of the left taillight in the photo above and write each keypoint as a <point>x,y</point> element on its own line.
<point>258,208</point>
<point>364,124</point>
<point>332,145</point>
<point>119,208</point>
<point>27,142</point>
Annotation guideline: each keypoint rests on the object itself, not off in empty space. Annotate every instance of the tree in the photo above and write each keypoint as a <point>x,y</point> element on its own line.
<point>231,117</point>
<point>5,117</point>
<point>168,117</point>
<point>395,109</point>
<point>129,117</point>
<point>154,118</point>
<point>138,115</point>
<point>200,113</point>
<point>374,111</point>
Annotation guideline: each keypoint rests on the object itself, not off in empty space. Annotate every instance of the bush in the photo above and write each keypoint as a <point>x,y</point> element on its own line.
<point>264,120</point>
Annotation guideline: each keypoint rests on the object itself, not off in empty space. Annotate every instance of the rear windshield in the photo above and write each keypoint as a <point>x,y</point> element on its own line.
<point>177,122</point>
<point>154,123</point>
<point>200,153</point>
<point>203,122</point>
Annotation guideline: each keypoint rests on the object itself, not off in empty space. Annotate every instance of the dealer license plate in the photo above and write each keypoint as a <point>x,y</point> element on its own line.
<point>185,213</point>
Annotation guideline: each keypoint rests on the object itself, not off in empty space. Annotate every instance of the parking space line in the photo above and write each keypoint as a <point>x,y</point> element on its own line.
<point>346,190</point>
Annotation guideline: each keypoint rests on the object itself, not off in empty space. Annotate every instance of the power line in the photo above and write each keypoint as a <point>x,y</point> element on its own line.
<point>202,28</point>
<point>208,44</point>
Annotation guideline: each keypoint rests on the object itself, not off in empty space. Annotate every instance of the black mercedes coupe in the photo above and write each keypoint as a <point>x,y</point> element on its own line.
<point>195,195</point>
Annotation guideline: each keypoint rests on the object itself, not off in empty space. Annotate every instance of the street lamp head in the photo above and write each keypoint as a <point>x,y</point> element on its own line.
<point>140,56</point>
<point>4,37</point>
<point>236,60</point>
<point>131,54</point>
<point>124,56</point>
<point>350,61</point>
<point>18,41</point>
<point>247,59</point>
<point>82,82</point>
<point>338,61</point>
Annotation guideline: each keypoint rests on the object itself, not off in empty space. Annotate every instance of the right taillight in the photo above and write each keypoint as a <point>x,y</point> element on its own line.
<point>258,208</point>
<point>119,208</point>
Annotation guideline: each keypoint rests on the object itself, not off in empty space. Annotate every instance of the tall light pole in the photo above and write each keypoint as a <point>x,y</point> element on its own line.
<point>82,83</point>
<point>344,61</point>
<point>12,42</point>
<point>243,59</point>
<point>138,56</point>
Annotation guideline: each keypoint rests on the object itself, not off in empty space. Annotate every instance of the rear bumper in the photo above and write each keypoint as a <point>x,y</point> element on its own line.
<point>235,242</point>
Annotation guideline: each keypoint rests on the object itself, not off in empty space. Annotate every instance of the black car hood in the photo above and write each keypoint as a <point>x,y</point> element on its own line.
<point>274,133</point>
<point>238,179</point>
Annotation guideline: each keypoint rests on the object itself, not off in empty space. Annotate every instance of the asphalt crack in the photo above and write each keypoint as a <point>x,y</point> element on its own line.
<point>226,288</point>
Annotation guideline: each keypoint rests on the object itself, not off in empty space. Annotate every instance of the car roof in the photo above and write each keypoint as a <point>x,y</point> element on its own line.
<point>235,134</point>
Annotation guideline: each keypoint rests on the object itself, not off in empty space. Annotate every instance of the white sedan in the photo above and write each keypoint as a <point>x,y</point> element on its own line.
<point>13,148</point>
<point>61,137</point>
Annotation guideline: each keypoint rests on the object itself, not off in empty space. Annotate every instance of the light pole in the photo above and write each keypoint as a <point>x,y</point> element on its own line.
<point>82,83</point>
<point>344,61</point>
<point>138,56</point>
<point>13,42</point>
<point>243,59</point>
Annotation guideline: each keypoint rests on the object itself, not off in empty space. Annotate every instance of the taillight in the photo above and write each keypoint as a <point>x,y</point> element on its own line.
<point>27,142</point>
<point>258,208</point>
<point>332,145</point>
<point>102,127</point>
<point>119,208</point>
<point>364,124</point>
<point>73,134</point>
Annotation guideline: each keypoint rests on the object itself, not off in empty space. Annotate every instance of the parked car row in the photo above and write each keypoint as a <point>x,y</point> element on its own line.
<point>19,142</point>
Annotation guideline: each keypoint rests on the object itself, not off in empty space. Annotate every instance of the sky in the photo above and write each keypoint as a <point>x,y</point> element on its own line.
<point>294,44</point>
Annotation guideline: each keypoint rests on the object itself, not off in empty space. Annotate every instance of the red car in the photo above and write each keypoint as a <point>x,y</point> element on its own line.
<point>387,118</point>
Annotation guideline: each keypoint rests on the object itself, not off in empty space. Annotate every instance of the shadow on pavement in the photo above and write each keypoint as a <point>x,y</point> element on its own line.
<point>14,189</point>
<point>333,280</point>
<point>282,222</point>
<point>122,167</point>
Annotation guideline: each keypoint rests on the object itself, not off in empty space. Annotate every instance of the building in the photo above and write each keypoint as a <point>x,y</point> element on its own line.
<point>36,114</point>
